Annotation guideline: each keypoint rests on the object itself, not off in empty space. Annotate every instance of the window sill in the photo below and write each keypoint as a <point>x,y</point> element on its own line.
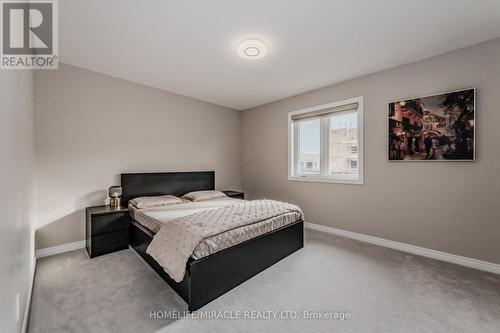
<point>327,180</point>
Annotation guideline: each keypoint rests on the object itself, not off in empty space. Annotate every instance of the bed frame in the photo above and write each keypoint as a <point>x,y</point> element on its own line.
<point>212,276</point>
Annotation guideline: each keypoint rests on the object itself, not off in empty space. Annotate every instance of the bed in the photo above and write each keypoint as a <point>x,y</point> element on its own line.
<point>207,277</point>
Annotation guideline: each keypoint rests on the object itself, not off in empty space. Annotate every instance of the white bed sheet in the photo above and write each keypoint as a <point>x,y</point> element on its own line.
<point>153,218</point>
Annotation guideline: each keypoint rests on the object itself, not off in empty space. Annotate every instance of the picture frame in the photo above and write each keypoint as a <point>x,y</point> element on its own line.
<point>438,127</point>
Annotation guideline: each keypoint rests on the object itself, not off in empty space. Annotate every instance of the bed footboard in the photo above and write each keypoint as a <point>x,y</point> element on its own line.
<point>212,276</point>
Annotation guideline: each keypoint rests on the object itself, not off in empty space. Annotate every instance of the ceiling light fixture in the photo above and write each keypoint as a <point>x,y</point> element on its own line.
<point>252,49</point>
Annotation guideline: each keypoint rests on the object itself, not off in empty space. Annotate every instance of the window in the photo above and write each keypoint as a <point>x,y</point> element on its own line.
<point>326,143</point>
<point>354,164</point>
<point>308,149</point>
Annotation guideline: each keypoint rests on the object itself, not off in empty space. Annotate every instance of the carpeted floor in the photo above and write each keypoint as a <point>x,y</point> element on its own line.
<point>382,290</point>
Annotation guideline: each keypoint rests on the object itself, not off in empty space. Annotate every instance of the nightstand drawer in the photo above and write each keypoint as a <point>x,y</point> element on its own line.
<point>108,223</point>
<point>110,242</point>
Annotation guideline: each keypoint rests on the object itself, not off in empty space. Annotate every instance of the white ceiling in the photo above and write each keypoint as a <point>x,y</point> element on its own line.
<point>189,47</point>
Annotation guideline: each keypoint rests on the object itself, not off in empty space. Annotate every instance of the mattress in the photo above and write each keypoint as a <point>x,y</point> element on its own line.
<point>155,218</point>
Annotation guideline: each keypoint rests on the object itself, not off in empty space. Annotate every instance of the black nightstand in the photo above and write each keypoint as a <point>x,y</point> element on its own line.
<point>106,229</point>
<point>234,194</point>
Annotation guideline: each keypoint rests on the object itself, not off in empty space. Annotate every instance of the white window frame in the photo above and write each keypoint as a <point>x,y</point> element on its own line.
<point>324,177</point>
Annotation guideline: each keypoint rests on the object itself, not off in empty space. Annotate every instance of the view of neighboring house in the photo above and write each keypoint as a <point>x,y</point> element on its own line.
<point>343,153</point>
<point>309,163</point>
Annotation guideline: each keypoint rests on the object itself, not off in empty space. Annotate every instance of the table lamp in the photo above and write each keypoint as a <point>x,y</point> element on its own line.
<point>115,194</point>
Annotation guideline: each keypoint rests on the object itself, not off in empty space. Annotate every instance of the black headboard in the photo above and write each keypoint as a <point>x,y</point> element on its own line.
<point>159,183</point>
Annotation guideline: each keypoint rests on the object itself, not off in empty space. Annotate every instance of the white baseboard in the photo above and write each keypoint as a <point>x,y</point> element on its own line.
<point>24,328</point>
<point>50,251</point>
<point>421,251</point>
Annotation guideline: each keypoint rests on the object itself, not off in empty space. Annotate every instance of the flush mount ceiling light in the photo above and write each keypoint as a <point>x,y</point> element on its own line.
<point>252,49</point>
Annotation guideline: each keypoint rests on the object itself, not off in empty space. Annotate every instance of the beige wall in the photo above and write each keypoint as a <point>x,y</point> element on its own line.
<point>17,194</point>
<point>446,206</point>
<point>89,128</point>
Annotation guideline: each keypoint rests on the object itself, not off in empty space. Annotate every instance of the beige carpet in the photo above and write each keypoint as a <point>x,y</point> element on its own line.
<point>381,289</point>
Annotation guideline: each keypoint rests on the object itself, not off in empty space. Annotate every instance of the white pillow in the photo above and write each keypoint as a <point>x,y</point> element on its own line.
<point>203,195</point>
<point>157,201</point>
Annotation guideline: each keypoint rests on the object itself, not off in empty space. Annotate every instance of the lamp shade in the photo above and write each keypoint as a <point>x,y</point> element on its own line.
<point>115,191</point>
